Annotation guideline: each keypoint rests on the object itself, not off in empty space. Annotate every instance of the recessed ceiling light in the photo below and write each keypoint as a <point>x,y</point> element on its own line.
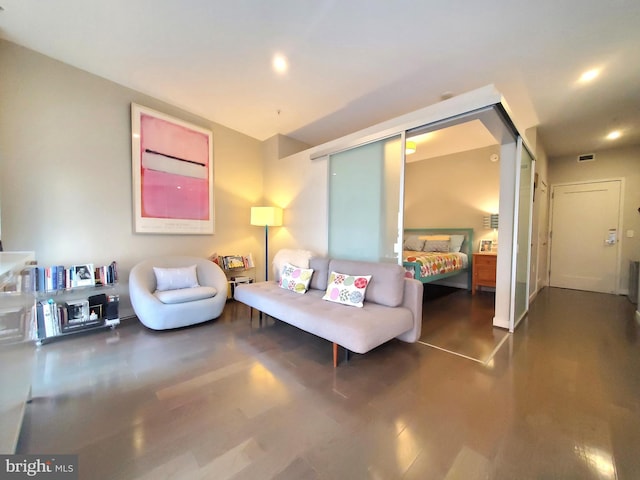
<point>613,135</point>
<point>589,75</point>
<point>280,63</point>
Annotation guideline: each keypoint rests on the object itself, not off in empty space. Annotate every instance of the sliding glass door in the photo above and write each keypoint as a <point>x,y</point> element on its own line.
<point>365,201</point>
<point>522,234</point>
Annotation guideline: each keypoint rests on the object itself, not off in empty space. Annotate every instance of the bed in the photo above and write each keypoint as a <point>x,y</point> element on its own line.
<point>431,254</point>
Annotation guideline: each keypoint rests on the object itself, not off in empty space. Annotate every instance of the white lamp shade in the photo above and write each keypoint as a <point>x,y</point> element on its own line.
<point>266,216</point>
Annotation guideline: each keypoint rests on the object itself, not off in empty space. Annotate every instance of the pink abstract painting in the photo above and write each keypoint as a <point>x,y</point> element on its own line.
<point>174,171</point>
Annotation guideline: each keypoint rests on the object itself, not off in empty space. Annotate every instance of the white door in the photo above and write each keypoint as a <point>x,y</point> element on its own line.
<point>584,236</point>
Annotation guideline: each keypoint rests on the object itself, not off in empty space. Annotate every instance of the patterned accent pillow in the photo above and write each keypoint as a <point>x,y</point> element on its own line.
<point>295,278</point>
<point>436,246</point>
<point>347,289</point>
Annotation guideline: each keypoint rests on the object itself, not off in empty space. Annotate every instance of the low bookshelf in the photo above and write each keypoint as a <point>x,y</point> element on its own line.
<point>238,269</point>
<point>40,303</point>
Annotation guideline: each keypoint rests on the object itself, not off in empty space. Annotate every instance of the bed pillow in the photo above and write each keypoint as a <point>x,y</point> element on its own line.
<point>456,243</point>
<point>175,278</point>
<point>347,289</point>
<point>435,237</point>
<point>295,278</point>
<point>436,246</point>
<point>413,243</point>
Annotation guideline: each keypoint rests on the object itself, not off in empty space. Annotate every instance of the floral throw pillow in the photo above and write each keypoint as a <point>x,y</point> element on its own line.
<point>295,278</point>
<point>347,289</point>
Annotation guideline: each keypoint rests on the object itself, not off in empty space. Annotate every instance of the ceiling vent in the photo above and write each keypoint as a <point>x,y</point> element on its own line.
<point>586,157</point>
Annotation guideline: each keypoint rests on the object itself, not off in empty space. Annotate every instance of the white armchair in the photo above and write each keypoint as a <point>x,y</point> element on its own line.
<point>188,306</point>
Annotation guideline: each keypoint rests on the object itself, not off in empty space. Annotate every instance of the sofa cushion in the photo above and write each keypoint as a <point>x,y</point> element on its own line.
<point>387,279</point>
<point>184,295</point>
<point>320,276</point>
<point>347,289</point>
<point>175,278</point>
<point>295,278</point>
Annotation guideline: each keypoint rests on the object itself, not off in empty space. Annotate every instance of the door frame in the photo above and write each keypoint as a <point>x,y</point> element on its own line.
<point>617,288</point>
<point>544,267</point>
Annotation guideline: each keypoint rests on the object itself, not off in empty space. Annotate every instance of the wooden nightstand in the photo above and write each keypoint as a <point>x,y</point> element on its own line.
<point>484,270</point>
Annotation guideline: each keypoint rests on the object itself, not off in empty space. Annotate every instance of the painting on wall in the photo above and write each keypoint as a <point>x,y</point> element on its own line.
<point>172,171</point>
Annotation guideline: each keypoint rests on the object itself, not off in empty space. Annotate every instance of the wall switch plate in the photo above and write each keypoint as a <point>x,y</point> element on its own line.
<point>629,233</point>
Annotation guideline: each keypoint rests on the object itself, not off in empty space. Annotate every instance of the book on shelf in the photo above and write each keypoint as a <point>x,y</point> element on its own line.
<point>57,277</point>
<point>236,262</point>
<point>48,323</point>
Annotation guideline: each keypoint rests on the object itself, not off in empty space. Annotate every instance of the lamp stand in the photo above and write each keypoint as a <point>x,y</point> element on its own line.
<point>266,253</point>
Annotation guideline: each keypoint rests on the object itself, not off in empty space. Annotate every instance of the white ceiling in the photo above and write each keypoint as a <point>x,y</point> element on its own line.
<point>354,63</point>
<point>445,141</point>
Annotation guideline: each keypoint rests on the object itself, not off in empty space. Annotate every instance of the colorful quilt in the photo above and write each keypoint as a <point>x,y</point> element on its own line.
<point>434,263</point>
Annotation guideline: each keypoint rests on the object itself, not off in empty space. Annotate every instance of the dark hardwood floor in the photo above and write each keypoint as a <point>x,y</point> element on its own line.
<point>461,323</point>
<point>230,400</point>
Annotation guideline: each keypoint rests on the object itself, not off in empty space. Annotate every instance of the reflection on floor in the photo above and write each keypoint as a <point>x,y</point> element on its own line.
<point>230,400</point>
<point>460,323</point>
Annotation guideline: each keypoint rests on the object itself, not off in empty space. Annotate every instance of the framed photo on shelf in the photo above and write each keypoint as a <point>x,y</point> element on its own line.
<point>172,171</point>
<point>83,275</point>
<point>78,311</point>
<point>485,246</point>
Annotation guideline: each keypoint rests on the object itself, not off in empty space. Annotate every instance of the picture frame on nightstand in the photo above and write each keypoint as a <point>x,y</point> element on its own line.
<point>485,246</point>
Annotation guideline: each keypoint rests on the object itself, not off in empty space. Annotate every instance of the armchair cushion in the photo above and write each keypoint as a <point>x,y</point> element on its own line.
<point>185,294</point>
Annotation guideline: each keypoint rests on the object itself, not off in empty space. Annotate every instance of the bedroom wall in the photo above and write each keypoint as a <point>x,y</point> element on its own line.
<point>610,164</point>
<point>65,165</point>
<point>455,190</point>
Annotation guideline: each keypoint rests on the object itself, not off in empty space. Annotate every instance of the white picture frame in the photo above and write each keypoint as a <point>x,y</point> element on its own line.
<point>83,275</point>
<point>172,174</point>
<point>485,246</point>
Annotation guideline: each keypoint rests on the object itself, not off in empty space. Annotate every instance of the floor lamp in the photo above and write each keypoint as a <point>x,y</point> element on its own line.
<point>266,217</point>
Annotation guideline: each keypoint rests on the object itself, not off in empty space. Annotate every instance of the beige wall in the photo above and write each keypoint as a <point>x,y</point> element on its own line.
<point>610,164</point>
<point>455,190</point>
<point>299,185</point>
<point>65,164</point>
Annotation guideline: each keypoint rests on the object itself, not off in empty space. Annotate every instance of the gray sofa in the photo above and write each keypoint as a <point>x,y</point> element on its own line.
<point>392,305</point>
